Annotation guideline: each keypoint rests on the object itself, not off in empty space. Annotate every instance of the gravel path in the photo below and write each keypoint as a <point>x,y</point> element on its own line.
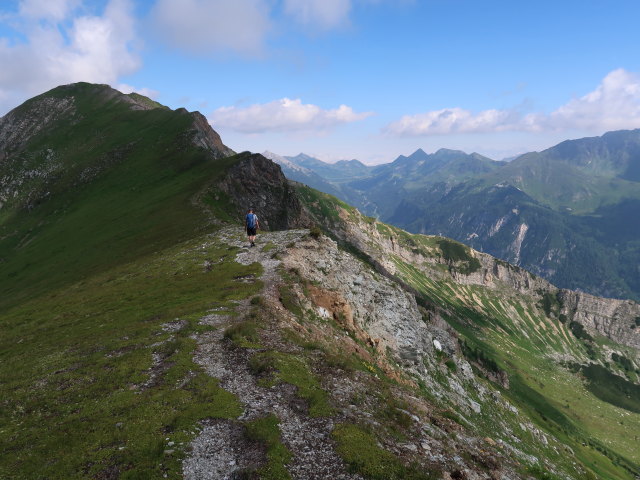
<point>221,451</point>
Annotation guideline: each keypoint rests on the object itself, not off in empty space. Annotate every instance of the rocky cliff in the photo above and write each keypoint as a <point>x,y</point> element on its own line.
<point>258,183</point>
<point>206,137</point>
<point>617,320</point>
<point>611,318</point>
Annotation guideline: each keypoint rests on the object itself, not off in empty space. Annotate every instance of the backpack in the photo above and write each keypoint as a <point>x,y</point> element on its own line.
<point>251,220</point>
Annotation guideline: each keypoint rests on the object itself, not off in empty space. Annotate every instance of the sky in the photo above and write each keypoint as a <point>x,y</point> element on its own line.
<point>343,79</point>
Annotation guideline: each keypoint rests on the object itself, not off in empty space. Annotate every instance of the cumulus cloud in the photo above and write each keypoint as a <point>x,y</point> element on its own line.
<point>210,26</point>
<point>282,116</point>
<point>613,105</point>
<point>324,14</point>
<point>60,48</point>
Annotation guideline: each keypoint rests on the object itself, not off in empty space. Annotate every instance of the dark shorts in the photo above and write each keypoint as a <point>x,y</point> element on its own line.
<point>251,231</point>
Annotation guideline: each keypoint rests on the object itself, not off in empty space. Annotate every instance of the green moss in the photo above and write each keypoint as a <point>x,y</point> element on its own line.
<point>541,473</point>
<point>451,365</point>
<point>315,232</point>
<point>266,431</point>
<point>361,452</point>
<point>289,300</point>
<point>291,369</point>
<point>268,247</point>
<point>244,334</point>
<point>453,416</point>
<point>459,255</point>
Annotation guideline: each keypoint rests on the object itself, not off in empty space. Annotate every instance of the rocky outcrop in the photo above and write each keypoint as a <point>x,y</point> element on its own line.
<point>206,137</point>
<point>383,316</point>
<point>611,318</point>
<point>21,124</point>
<point>256,182</point>
<point>614,319</point>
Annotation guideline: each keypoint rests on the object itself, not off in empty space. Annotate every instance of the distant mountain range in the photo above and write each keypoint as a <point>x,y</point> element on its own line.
<point>569,213</point>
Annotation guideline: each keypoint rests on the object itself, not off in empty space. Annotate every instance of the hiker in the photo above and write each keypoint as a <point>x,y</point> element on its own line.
<point>251,224</point>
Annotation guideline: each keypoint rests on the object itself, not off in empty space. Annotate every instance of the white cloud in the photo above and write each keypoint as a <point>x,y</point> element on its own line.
<point>147,92</point>
<point>282,116</point>
<point>60,49</point>
<point>55,10</point>
<point>613,105</point>
<point>324,14</point>
<point>452,120</point>
<point>209,26</point>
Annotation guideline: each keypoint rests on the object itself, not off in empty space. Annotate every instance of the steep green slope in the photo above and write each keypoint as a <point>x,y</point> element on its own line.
<point>105,274</point>
<point>516,331</point>
<point>102,177</point>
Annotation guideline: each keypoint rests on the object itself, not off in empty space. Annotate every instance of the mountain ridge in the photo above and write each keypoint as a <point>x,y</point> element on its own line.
<point>577,207</point>
<point>353,349</point>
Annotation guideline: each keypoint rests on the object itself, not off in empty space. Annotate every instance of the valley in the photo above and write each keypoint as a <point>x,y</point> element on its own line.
<point>564,213</point>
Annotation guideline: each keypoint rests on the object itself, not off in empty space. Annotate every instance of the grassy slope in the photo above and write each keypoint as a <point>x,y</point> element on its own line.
<point>79,398</point>
<point>516,333</point>
<point>74,407</point>
<point>88,278</point>
<point>139,204</point>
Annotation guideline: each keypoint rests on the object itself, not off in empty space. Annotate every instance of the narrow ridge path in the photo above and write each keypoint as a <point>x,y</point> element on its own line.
<point>220,450</point>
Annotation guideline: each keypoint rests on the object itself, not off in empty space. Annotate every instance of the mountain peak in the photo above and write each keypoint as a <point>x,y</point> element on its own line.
<point>449,151</point>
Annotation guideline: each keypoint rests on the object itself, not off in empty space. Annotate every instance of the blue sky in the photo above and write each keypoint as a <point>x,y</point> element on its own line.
<point>365,79</point>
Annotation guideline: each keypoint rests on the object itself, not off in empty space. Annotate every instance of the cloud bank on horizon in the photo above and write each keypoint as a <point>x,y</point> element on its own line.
<point>284,115</point>
<point>297,75</point>
<point>613,105</point>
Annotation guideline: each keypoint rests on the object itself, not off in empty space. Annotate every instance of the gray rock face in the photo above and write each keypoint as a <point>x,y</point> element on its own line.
<point>257,182</point>
<point>206,137</point>
<point>375,304</point>
<point>21,124</point>
<point>381,314</point>
<point>614,319</point>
